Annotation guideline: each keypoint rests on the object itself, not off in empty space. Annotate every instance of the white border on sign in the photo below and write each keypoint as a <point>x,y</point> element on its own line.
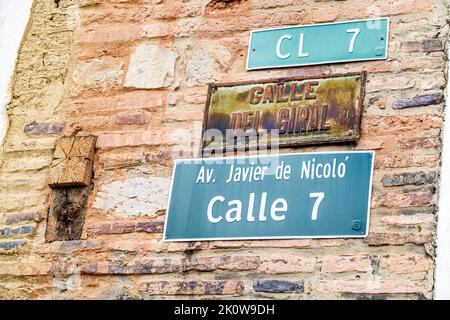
<point>177,161</point>
<point>317,63</point>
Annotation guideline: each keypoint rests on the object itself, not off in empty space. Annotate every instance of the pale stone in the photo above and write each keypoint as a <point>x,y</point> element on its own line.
<point>207,64</point>
<point>269,4</point>
<point>54,95</point>
<point>350,263</point>
<point>287,263</point>
<point>17,144</point>
<point>98,72</point>
<point>134,197</point>
<point>87,3</point>
<point>409,220</point>
<point>404,264</point>
<point>436,80</point>
<point>27,163</point>
<point>73,17</point>
<point>390,83</point>
<point>374,285</point>
<point>156,30</point>
<point>151,67</point>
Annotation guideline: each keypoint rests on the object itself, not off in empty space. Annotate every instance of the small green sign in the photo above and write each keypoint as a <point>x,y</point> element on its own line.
<point>310,195</point>
<point>318,44</point>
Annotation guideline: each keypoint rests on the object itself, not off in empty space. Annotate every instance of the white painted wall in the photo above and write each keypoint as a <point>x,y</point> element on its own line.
<point>442,283</point>
<point>14,15</point>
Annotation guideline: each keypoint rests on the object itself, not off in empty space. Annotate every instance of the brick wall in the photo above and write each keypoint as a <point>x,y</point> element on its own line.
<point>135,74</point>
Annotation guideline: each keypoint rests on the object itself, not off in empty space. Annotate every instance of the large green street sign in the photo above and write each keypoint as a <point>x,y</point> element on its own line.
<point>310,195</point>
<point>326,43</point>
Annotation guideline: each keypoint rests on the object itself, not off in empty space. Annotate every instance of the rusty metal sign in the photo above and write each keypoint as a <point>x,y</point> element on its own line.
<point>287,112</point>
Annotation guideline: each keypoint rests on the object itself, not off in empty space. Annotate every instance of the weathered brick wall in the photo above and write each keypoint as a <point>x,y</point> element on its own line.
<point>135,74</point>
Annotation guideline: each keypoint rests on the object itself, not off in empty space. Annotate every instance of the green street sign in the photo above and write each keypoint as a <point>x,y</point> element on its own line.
<point>310,195</point>
<point>358,40</point>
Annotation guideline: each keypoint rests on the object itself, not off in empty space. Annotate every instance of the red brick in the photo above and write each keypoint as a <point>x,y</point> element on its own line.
<point>194,98</point>
<point>360,10</point>
<point>21,217</point>
<point>185,113</point>
<point>177,264</point>
<point>117,12</point>
<point>405,263</point>
<point>314,71</point>
<point>372,286</point>
<point>428,45</point>
<point>157,30</point>
<point>111,33</point>
<point>232,263</point>
<point>130,139</point>
<point>240,23</point>
<point>166,156</point>
<point>195,287</point>
<point>407,161</point>
<point>114,161</point>
<point>409,220</point>
<point>176,9</point>
<point>120,243</point>
<point>327,14</point>
<point>125,227</point>
<point>413,64</point>
<point>153,245</point>
<point>269,4</point>
<point>11,246</point>
<point>350,263</point>
<point>130,119</point>
<point>286,263</point>
<point>402,200</point>
<point>369,144</point>
<point>393,238</point>
<point>396,7</point>
<point>399,125</point>
<point>421,142</point>
<point>331,242</point>
<point>390,83</point>
<point>301,243</point>
<point>44,128</point>
<point>26,269</point>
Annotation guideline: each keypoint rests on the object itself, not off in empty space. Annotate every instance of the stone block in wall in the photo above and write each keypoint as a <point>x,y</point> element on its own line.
<point>11,246</point>
<point>419,101</point>
<point>35,128</point>
<point>278,286</point>
<point>151,67</point>
<point>131,197</point>
<point>72,162</point>
<point>207,64</point>
<point>409,178</point>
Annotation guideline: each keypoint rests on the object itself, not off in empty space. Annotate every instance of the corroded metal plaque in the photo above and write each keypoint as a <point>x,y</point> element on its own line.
<point>285,112</point>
